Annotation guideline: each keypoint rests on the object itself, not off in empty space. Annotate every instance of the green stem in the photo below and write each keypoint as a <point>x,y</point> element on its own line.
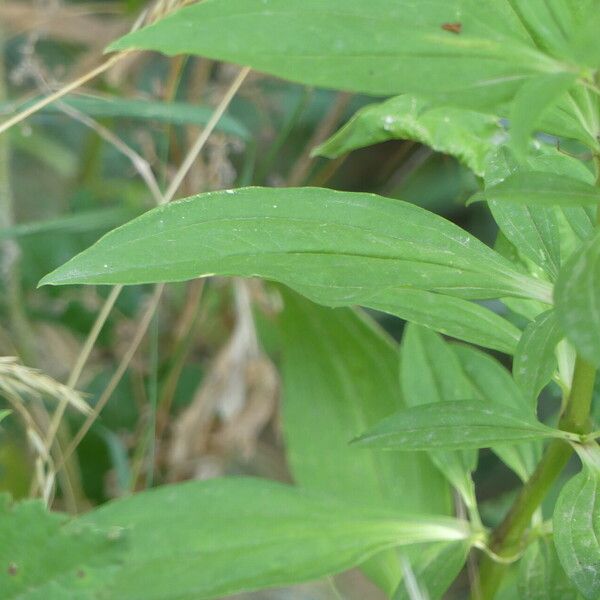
<point>507,538</point>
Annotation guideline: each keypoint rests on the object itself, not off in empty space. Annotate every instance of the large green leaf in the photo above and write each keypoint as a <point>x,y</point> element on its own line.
<point>210,539</point>
<point>455,425</point>
<point>577,525</point>
<point>45,557</point>
<point>469,136</point>
<point>336,248</point>
<point>535,362</point>
<point>577,297</point>
<point>371,47</point>
<point>339,378</point>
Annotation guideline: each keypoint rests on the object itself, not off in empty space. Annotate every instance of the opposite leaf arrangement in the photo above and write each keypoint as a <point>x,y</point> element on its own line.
<point>477,78</point>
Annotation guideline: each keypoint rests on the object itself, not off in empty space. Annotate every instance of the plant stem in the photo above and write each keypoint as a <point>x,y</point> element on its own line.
<point>507,538</point>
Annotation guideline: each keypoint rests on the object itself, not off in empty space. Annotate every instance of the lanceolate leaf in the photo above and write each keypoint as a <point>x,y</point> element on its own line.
<point>535,362</point>
<point>543,189</point>
<point>371,47</point>
<point>336,248</point>
<point>577,526</point>
<point>219,537</point>
<point>44,556</point>
<point>465,134</point>
<point>339,378</point>
<point>577,298</point>
<point>454,425</point>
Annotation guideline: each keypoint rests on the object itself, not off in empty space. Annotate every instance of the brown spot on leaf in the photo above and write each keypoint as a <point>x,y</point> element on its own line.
<point>452,27</point>
<point>80,573</point>
<point>12,569</point>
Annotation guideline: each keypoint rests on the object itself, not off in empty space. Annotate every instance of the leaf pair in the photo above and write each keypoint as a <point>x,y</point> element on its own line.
<point>459,399</point>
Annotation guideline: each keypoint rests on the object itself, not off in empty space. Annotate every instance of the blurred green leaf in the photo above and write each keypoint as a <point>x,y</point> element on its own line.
<point>338,361</point>
<point>438,566</point>
<point>541,576</point>
<point>185,538</point>
<point>577,525</point>
<point>46,557</point>
<point>179,113</point>
<point>339,378</point>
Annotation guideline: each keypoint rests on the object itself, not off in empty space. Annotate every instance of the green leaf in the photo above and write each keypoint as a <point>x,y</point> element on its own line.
<point>430,372</point>
<point>465,134</point>
<point>438,567</point>
<point>577,297</point>
<point>340,377</point>
<point>45,557</point>
<point>374,48</point>
<point>495,387</point>
<point>543,189</point>
<point>533,230</point>
<point>541,576</point>
<point>4,414</point>
<point>336,248</point>
<point>214,538</point>
<point>535,362</point>
<point>459,424</point>
<point>529,104</point>
<point>179,113</point>
<point>577,525</point>
<point>575,116</point>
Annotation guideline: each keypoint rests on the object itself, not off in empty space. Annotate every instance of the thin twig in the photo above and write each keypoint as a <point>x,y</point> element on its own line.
<point>118,374</point>
<point>63,91</point>
<point>203,137</point>
<point>145,322</point>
